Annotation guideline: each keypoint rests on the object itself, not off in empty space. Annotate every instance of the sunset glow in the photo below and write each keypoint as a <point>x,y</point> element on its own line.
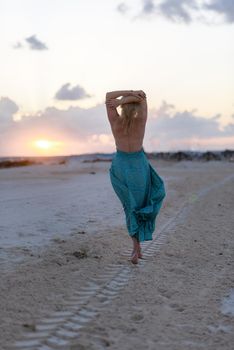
<point>46,144</point>
<point>185,69</point>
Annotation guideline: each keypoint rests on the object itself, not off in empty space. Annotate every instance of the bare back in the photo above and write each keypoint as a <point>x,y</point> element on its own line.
<point>133,140</point>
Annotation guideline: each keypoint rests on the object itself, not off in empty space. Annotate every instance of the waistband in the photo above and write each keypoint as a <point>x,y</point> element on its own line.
<point>135,153</point>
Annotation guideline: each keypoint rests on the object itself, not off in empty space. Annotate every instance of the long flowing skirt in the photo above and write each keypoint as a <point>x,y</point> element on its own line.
<point>140,189</point>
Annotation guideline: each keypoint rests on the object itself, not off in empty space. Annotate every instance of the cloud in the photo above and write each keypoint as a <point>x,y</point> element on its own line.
<point>75,93</point>
<point>174,129</point>
<point>73,122</point>
<point>35,44</point>
<point>18,45</point>
<point>148,6</point>
<point>188,11</point>
<point>79,130</point>
<point>7,110</point>
<point>177,10</point>
<point>229,128</point>
<point>223,7</point>
<point>122,8</point>
<point>88,130</point>
<point>184,124</point>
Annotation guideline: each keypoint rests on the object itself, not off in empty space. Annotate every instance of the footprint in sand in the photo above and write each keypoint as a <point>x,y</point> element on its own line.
<point>58,240</point>
<point>93,343</point>
<point>137,317</point>
<point>80,254</point>
<point>177,307</point>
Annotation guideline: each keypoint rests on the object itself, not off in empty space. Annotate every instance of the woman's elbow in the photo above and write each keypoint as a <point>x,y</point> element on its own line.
<point>107,95</point>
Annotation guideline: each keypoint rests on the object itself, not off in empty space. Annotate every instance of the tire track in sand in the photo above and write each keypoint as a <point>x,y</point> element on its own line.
<point>57,330</point>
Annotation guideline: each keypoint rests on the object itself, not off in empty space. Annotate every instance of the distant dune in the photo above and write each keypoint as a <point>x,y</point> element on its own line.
<point>8,162</point>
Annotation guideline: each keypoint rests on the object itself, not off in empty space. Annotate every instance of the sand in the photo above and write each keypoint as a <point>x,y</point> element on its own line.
<point>174,299</point>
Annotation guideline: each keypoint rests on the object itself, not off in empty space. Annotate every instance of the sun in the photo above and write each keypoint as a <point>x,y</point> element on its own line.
<point>44,144</point>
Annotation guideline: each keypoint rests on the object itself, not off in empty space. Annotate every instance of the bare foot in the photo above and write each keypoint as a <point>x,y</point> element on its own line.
<point>134,257</point>
<point>139,253</point>
<point>140,256</point>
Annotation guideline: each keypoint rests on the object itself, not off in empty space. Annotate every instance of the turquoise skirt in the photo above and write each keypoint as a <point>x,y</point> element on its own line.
<point>140,189</point>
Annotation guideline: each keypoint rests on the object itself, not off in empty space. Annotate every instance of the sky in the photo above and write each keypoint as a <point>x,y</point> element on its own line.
<point>59,58</point>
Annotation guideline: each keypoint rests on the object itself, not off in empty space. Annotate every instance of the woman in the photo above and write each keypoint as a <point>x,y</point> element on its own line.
<point>138,186</point>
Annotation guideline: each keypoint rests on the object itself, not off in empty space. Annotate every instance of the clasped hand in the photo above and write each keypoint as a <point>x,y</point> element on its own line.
<point>138,93</point>
<point>114,102</point>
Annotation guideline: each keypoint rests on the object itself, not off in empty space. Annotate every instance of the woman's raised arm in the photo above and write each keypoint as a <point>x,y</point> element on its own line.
<point>129,99</point>
<point>118,93</point>
<point>115,102</point>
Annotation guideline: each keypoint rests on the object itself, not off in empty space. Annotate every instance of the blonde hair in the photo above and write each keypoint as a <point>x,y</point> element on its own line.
<point>129,111</point>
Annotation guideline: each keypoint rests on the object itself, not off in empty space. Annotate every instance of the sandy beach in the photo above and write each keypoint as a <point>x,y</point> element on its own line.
<point>66,279</point>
